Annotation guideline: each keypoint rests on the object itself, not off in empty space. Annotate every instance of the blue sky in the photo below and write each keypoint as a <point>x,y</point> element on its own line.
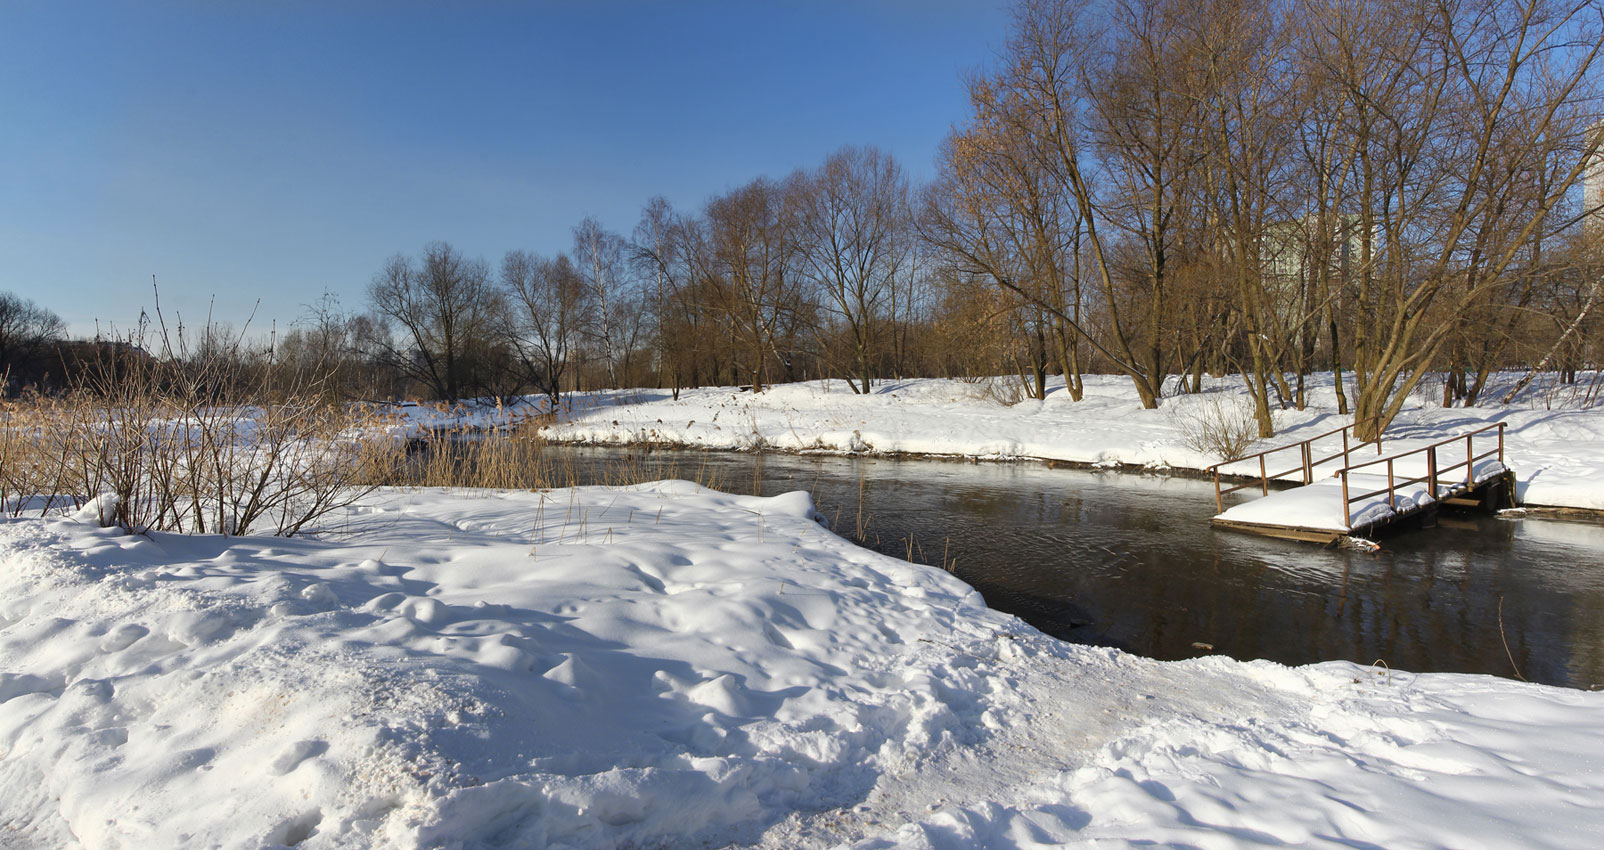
<point>271,150</point>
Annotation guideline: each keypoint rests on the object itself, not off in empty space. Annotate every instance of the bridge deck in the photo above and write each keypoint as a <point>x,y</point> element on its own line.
<point>1316,511</point>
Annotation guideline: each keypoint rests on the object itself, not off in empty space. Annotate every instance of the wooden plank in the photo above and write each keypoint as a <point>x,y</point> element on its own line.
<point>1284,532</point>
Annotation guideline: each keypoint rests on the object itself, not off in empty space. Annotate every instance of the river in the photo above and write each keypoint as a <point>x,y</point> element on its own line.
<point>1131,561</point>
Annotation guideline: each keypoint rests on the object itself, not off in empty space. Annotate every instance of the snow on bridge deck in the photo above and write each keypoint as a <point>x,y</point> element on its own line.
<point>1363,497</point>
<point>1319,506</point>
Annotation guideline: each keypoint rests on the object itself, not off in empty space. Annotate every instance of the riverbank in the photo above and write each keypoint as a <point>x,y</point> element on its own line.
<point>666,665</point>
<point>1555,447</point>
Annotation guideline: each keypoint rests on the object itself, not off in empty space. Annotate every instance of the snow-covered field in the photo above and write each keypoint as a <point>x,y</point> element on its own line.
<point>664,666</point>
<point>1555,447</point>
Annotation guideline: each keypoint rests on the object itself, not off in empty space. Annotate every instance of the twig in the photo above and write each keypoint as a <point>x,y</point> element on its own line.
<point>1502,638</point>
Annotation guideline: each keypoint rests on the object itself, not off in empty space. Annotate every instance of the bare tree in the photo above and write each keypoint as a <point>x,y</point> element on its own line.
<point>446,309</point>
<point>1450,111</point>
<point>995,212</point>
<point>25,329</point>
<point>1240,76</point>
<point>601,260</point>
<point>749,266</point>
<point>1087,128</point>
<point>547,303</point>
<point>334,354</point>
<point>854,223</point>
<point>1233,174</point>
<point>661,255</point>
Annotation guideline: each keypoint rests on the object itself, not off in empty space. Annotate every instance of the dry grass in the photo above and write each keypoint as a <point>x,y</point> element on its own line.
<point>211,438</point>
<point>519,458</point>
<point>237,469</point>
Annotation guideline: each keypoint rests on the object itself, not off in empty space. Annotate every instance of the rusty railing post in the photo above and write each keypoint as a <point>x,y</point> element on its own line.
<point>1347,518</point>
<point>1219,503</point>
<point>1264,478</point>
<point>1431,470</point>
<point>1392,498</point>
<point>1470,461</point>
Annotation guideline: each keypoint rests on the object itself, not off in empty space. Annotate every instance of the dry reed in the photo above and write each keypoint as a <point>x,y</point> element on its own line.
<point>519,458</point>
<point>210,437</point>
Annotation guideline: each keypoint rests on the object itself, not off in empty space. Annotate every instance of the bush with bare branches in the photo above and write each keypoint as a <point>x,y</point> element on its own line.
<point>182,441</point>
<point>1215,424</point>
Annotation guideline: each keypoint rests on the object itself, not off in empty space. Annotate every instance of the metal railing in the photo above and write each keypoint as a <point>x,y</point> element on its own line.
<point>1306,465</point>
<point>1434,473</point>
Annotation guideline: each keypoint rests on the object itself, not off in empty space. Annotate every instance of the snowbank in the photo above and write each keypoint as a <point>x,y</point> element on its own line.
<point>665,666</point>
<point>1555,449</point>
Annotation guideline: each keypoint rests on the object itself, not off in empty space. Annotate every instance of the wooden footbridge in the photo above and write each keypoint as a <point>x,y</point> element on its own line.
<point>1341,494</point>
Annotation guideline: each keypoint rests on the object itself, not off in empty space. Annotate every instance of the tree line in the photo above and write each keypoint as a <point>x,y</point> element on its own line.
<point>813,275</point>
<point>1154,188</point>
<point>1268,187</point>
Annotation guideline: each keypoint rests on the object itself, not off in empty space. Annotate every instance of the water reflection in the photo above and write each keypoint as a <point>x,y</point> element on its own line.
<point>1132,562</point>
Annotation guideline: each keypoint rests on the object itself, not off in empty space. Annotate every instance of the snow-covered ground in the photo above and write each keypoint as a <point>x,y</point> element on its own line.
<point>1555,447</point>
<point>665,666</point>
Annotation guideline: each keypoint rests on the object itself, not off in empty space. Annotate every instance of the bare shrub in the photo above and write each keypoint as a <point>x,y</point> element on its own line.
<point>29,470</point>
<point>186,441</point>
<point>1214,423</point>
<point>1004,390</point>
<point>226,443</point>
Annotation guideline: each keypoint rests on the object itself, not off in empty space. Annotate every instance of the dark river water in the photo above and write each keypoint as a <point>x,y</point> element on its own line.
<point>1131,561</point>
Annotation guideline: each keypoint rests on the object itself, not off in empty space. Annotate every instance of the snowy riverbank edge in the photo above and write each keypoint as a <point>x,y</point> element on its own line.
<point>1555,448</point>
<point>667,666</point>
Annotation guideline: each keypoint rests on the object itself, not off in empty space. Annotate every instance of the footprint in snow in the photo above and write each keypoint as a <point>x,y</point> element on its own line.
<point>123,637</point>
<point>295,754</point>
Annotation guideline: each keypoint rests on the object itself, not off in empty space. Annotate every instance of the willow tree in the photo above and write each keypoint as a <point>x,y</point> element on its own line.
<point>998,215</point>
<point>748,270</point>
<point>1060,160</point>
<point>1449,112</point>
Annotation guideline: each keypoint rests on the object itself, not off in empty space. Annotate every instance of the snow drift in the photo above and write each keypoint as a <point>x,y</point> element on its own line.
<point>666,666</point>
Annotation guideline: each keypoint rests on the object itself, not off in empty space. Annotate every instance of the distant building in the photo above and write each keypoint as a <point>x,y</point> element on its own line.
<point>1291,270</point>
<point>1286,247</point>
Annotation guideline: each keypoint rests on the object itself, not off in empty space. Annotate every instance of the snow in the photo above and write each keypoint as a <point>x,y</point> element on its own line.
<point>667,666</point>
<point>1554,442</point>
